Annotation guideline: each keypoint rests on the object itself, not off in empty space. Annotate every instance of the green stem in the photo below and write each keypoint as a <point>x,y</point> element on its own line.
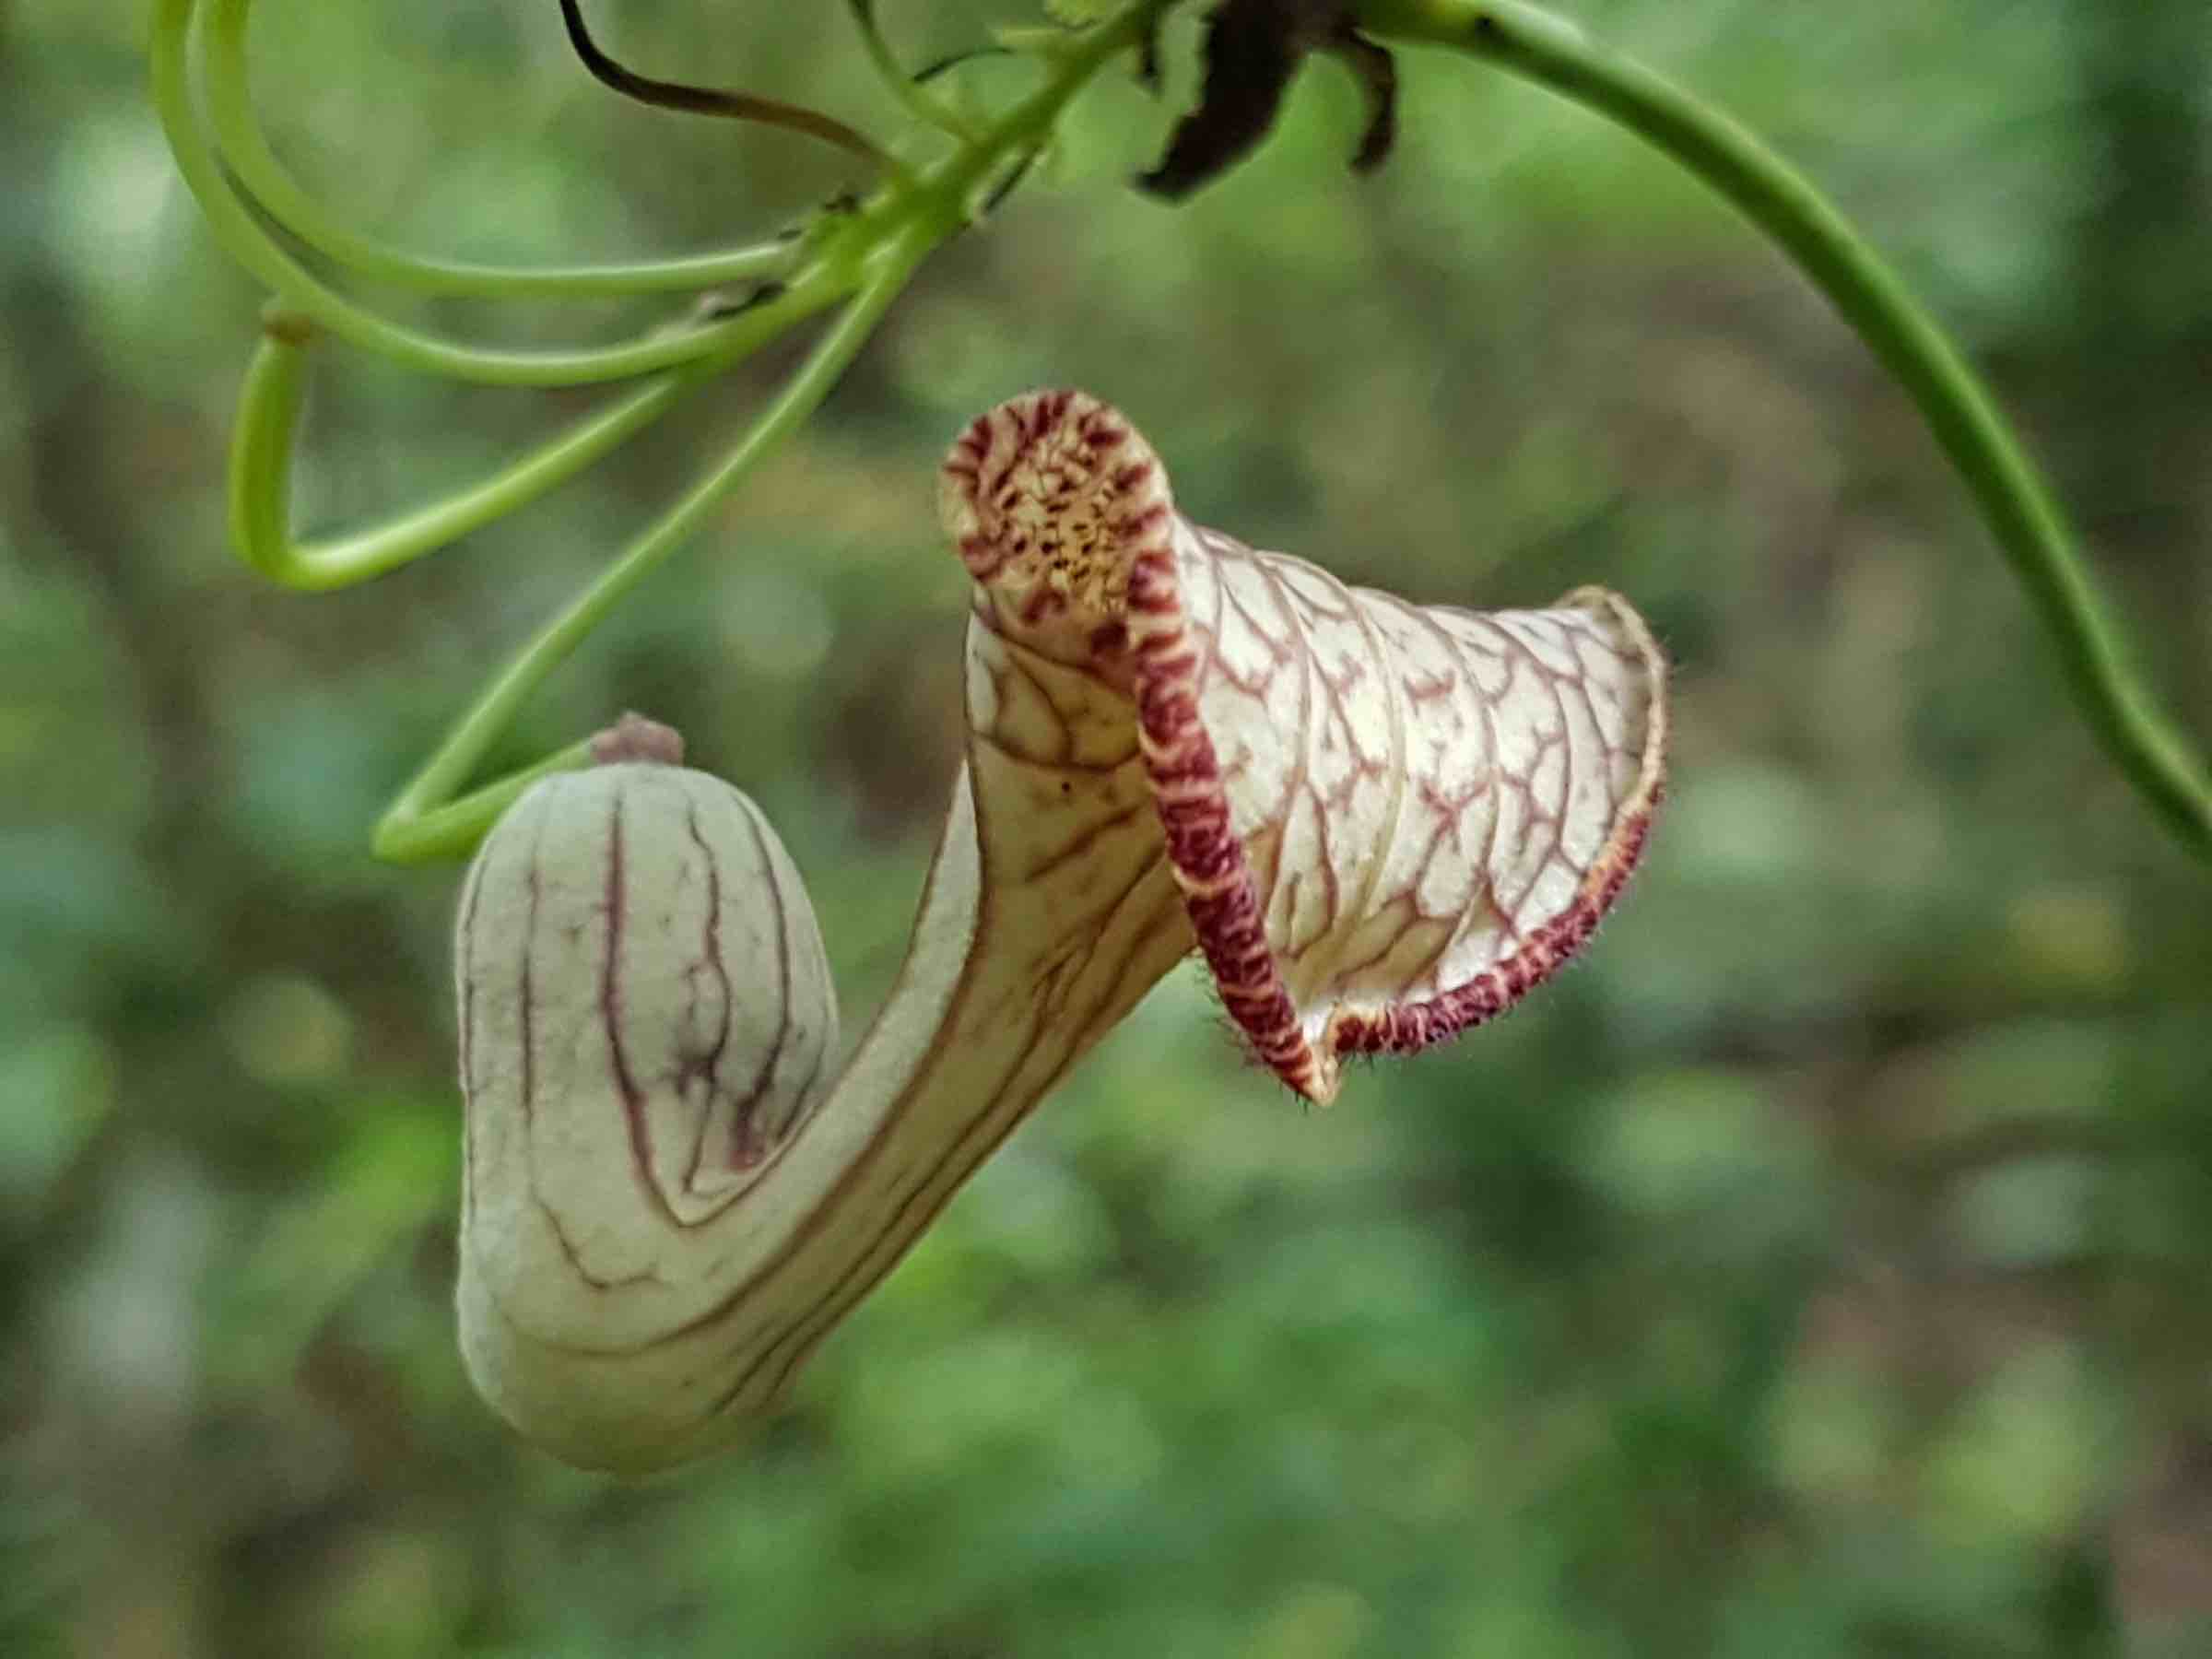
<point>261,472</point>
<point>425,822</point>
<point>951,190</point>
<point>919,102</point>
<point>263,437</point>
<point>2015,502</point>
<point>242,236</point>
<point>245,147</point>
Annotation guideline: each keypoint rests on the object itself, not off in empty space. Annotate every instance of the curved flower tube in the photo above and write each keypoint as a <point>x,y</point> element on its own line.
<point>660,1318</point>
<point>1382,824</point>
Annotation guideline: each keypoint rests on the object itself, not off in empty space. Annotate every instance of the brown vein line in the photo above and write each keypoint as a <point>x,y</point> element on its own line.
<point>1211,540</point>
<point>467,932</point>
<point>1493,894</point>
<point>528,1034</point>
<point>1510,908</point>
<point>1085,767</point>
<point>709,945</point>
<point>528,1000</point>
<point>610,1011</point>
<point>1348,971</point>
<point>575,1259</point>
<point>1398,718</point>
<point>1558,829</point>
<point>592,1282</point>
<point>551,1217</point>
<point>1084,842</point>
<point>1461,652</point>
<point>1600,688</point>
<point>1276,650</point>
<point>742,1113</point>
<point>1583,687</point>
<point>1434,962</point>
<point>1015,664</point>
<point>1298,645</point>
<point>785,1129</point>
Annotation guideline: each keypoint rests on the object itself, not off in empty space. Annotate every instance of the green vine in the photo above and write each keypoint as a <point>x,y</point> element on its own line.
<point>2015,502</point>
<point>855,260</point>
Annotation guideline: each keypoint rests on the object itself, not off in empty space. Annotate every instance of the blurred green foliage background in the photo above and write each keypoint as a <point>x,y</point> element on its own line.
<point>1824,1268</point>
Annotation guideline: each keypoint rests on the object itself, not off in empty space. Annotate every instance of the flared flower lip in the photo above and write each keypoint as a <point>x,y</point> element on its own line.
<point>1064,517</point>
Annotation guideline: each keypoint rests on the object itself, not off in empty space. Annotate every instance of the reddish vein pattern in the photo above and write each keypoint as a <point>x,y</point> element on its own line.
<point>1388,822</point>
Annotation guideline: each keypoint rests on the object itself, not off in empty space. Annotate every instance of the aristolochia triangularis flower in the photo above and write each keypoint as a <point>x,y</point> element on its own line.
<point>1382,824</point>
<point>1388,821</point>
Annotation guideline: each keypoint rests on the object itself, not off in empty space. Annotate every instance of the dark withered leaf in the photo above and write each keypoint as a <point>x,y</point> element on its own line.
<point>1251,52</point>
<point>1252,48</point>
